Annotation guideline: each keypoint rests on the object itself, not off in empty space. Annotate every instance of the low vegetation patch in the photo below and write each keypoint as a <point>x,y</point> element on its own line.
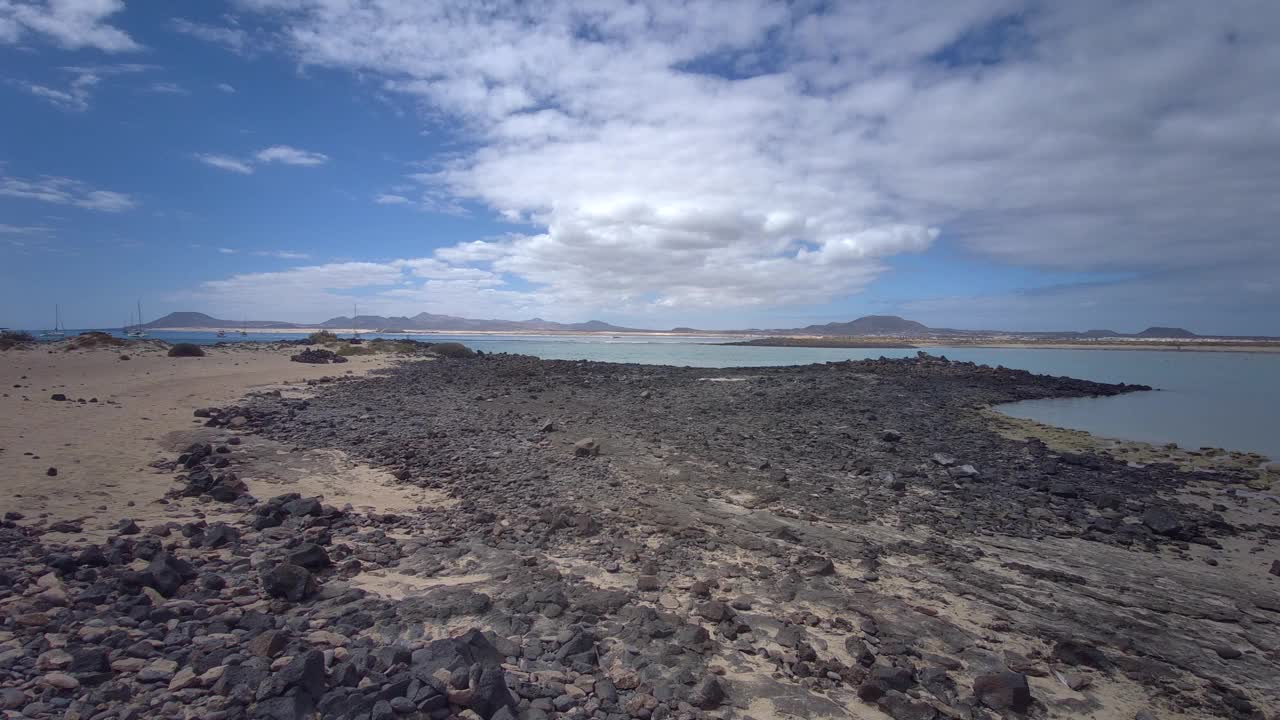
<point>351,350</point>
<point>452,350</point>
<point>14,338</point>
<point>322,337</point>
<point>94,339</point>
<point>186,350</point>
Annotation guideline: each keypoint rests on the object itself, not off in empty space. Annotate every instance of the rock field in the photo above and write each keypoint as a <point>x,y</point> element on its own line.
<point>623,541</point>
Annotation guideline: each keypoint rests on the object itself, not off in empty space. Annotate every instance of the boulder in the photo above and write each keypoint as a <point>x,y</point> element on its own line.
<point>1073,652</point>
<point>166,573</point>
<point>288,581</point>
<point>708,693</point>
<point>1162,521</point>
<point>310,556</point>
<point>1003,691</point>
<point>305,672</point>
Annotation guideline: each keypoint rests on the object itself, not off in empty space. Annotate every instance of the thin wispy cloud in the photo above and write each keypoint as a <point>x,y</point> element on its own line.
<point>291,156</point>
<point>75,98</point>
<point>167,88</point>
<point>390,199</point>
<point>225,162</point>
<point>7,229</point>
<point>281,254</point>
<point>65,191</point>
<point>226,88</point>
<point>282,154</point>
<point>84,82</point>
<point>230,37</point>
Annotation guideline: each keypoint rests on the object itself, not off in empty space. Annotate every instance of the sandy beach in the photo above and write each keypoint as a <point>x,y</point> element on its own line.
<point>133,413</point>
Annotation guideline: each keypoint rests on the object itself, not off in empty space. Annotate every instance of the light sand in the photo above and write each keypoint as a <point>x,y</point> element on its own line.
<point>102,450</point>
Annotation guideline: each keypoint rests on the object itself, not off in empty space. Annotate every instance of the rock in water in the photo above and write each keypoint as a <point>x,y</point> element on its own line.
<point>288,581</point>
<point>1003,691</point>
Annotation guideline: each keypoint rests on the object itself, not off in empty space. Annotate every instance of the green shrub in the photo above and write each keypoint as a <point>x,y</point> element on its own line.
<point>186,350</point>
<point>94,339</point>
<point>351,350</point>
<point>322,337</point>
<point>452,350</point>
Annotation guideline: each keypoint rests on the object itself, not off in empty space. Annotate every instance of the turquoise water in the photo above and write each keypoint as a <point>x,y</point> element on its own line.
<point>1217,399</point>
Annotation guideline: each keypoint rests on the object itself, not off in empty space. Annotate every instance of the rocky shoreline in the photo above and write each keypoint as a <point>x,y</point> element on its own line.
<point>622,541</point>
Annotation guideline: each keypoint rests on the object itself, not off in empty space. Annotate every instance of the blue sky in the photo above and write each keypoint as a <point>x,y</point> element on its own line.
<point>988,164</point>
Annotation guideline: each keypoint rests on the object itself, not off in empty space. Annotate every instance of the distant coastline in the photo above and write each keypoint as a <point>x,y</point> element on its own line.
<point>1199,344</point>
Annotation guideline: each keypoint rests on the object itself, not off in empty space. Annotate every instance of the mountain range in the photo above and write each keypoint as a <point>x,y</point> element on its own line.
<point>867,326</point>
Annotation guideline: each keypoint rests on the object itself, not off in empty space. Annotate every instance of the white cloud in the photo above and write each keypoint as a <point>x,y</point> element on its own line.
<point>677,155</point>
<point>390,199</point>
<point>65,191</point>
<point>395,287</point>
<point>72,24</point>
<point>228,251</point>
<point>291,156</point>
<point>225,162</point>
<point>226,88</point>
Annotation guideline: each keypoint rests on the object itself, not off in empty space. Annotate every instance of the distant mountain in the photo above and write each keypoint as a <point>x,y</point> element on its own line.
<point>428,321</point>
<point>200,320</point>
<point>863,326</point>
<point>867,326</point>
<point>870,325</point>
<point>1166,332</point>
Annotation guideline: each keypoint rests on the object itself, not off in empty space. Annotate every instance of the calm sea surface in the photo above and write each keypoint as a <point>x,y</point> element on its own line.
<point>1218,399</point>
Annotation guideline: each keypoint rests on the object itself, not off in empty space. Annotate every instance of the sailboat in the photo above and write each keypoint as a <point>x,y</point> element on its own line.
<point>355,330</point>
<point>136,331</point>
<point>58,330</point>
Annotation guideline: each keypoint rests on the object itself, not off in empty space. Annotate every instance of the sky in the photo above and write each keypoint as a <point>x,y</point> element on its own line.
<point>717,164</point>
